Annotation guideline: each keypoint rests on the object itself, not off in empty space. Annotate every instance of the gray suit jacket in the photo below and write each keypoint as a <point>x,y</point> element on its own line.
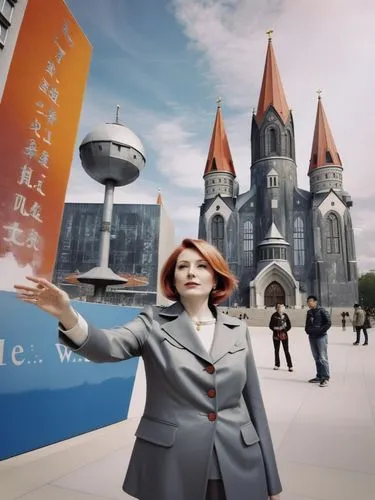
<point>194,401</point>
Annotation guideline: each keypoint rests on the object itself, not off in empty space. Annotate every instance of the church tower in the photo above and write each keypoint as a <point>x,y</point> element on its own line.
<point>325,169</point>
<point>273,169</point>
<point>217,224</point>
<point>219,174</point>
<point>336,278</point>
<point>274,179</point>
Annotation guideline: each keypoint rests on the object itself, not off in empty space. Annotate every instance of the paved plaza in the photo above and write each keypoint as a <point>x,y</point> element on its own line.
<point>324,437</point>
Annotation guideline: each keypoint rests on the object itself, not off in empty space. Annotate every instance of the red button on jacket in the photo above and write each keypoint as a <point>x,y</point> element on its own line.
<point>210,369</point>
<point>211,393</point>
<point>211,416</point>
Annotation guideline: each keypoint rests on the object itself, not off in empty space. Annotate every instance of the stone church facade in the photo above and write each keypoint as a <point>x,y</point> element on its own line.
<point>283,243</point>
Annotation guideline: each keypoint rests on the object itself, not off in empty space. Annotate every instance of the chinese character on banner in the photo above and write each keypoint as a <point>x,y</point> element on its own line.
<point>19,205</point>
<point>32,239</point>
<point>40,105</point>
<point>31,149</point>
<point>14,233</point>
<point>53,94</point>
<point>25,177</point>
<point>39,185</point>
<point>43,159</point>
<point>60,53</point>
<point>51,117</point>
<point>36,126</point>
<point>51,68</point>
<point>44,86</point>
<point>35,211</point>
<point>48,137</point>
<point>67,34</point>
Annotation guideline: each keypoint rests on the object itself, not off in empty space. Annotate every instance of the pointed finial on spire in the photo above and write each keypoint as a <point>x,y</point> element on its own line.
<point>117,113</point>
<point>254,111</point>
<point>269,33</point>
<point>319,92</point>
<point>159,200</point>
<point>219,100</point>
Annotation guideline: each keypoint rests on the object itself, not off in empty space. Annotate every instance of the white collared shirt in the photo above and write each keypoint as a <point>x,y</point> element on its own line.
<point>79,333</point>
<point>206,335</point>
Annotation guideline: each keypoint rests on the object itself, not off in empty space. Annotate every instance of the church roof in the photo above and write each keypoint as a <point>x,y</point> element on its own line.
<point>219,156</point>
<point>323,151</point>
<point>272,91</point>
<point>273,237</point>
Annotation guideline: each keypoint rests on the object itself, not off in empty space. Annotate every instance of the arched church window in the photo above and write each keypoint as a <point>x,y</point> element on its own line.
<point>248,243</point>
<point>217,231</point>
<point>333,234</point>
<point>273,140</point>
<point>272,181</point>
<point>299,242</point>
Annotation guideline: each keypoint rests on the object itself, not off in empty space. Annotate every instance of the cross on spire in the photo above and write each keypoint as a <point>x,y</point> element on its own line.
<point>269,33</point>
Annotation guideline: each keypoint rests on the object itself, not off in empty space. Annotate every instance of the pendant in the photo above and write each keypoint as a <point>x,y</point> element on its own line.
<point>198,326</point>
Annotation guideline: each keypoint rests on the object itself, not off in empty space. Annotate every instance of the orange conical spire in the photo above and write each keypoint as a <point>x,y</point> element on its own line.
<point>219,156</point>
<point>159,199</point>
<point>272,92</point>
<point>323,150</point>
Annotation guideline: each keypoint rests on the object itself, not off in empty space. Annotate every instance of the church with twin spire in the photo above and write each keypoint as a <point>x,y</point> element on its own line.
<point>282,242</point>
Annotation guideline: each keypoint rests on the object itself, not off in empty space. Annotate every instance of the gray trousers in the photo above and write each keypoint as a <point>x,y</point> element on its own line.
<point>215,490</point>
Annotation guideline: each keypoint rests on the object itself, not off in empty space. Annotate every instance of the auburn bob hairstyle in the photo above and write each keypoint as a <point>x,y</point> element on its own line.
<point>225,280</point>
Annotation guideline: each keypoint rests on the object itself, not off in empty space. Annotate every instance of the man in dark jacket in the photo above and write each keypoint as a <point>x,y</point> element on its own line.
<point>318,323</point>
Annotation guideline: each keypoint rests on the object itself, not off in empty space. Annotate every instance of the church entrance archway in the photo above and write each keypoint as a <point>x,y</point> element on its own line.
<point>274,294</point>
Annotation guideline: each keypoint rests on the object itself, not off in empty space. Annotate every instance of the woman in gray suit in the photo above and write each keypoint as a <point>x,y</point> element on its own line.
<point>204,433</point>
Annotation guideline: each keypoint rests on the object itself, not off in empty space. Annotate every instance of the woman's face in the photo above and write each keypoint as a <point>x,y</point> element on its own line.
<point>194,277</point>
<point>280,308</point>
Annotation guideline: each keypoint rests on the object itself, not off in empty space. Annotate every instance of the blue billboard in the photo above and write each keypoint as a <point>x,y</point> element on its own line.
<point>48,393</point>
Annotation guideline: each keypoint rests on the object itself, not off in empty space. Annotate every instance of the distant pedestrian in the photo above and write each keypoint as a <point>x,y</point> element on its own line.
<point>280,326</point>
<point>318,322</point>
<point>359,318</point>
<point>343,321</point>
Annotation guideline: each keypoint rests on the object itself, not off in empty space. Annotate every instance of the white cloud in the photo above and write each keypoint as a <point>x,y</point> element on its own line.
<point>179,160</point>
<point>12,273</point>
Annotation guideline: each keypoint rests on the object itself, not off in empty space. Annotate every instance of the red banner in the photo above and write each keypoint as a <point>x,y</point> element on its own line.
<point>39,116</point>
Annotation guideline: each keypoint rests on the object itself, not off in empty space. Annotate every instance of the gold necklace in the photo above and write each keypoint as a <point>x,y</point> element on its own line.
<point>202,322</point>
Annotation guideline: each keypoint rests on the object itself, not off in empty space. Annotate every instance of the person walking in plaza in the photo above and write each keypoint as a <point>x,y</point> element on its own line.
<point>318,322</point>
<point>359,318</point>
<point>280,326</point>
<point>204,433</point>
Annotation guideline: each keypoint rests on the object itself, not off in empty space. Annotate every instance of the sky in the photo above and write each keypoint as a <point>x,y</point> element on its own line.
<point>165,62</point>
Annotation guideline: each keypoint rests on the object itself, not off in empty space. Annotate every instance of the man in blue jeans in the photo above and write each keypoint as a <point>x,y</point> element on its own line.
<point>318,323</point>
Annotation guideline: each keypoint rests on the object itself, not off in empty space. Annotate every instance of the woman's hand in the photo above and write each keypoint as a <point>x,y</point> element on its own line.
<point>46,296</point>
<point>275,497</point>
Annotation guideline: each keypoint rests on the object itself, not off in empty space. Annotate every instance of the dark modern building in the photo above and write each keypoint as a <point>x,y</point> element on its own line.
<point>142,237</point>
<point>281,241</point>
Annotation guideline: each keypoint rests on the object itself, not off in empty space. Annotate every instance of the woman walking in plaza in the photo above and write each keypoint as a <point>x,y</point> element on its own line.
<point>280,326</point>
<point>204,433</point>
